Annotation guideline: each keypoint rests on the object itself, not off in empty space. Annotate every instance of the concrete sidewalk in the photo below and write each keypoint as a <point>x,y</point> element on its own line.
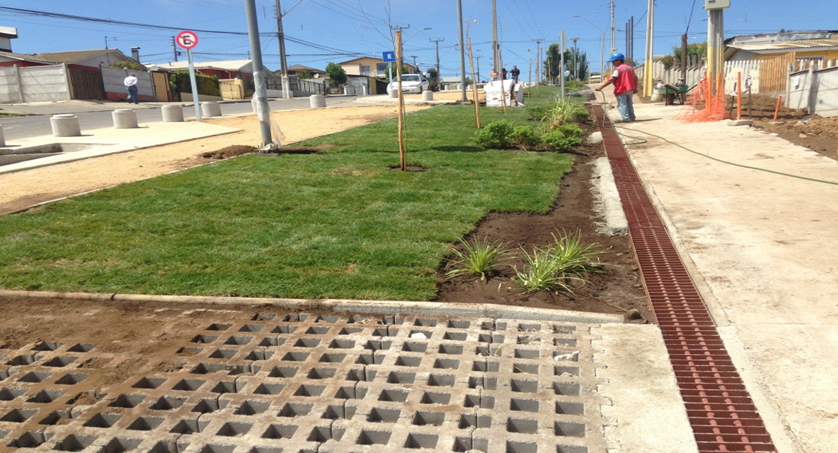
<point>760,247</point>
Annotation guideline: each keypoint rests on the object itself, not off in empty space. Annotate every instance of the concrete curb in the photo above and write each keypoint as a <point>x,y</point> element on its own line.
<point>340,305</point>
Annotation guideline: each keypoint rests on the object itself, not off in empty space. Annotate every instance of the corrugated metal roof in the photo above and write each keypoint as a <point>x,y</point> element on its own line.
<point>813,44</point>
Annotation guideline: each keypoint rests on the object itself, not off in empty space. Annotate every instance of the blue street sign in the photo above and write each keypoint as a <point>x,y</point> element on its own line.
<point>388,56</point>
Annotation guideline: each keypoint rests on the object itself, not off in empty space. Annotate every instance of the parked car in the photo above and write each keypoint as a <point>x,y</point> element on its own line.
<point>411,83</point>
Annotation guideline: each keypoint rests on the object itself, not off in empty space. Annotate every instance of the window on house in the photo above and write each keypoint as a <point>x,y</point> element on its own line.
<point>381,67</point>
<point>365,70</point>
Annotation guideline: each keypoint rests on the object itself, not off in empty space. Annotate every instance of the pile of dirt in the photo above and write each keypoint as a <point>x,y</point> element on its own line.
<point>229,151</point>
<point>762,107</point>
<point>617,290</point>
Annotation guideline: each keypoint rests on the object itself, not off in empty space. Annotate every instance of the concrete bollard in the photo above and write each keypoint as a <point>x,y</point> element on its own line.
<point>364,90</point>
<point>172,114</point>
<point>394,93</point>
<point>65,125</point>
<point>124,119</point>
<point>2,136</point>
<point>428,95</point>
<point>210,109</point>
<point>317,101</point>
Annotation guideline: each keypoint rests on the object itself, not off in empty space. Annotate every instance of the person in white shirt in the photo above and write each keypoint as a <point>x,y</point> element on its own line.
<point>131,83</point>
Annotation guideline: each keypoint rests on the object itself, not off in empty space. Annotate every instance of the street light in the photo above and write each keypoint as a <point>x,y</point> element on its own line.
<point>601,51</point>
<point>575,63</point>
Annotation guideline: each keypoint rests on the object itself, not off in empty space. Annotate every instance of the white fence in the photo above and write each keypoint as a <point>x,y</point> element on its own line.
<point>34,84</point>
<point>696,70</point>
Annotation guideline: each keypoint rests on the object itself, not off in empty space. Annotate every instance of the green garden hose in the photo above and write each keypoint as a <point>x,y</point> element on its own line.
<point>641,140</point>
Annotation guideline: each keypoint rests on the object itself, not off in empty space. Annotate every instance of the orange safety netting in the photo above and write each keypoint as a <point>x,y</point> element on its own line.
<point>702,106</point>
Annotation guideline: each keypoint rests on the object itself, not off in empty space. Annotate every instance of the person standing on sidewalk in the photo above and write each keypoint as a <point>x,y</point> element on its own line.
<point>625,85</point>
<point>131,83</point>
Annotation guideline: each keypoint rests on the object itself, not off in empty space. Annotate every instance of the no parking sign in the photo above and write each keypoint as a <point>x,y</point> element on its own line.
<point>187,39</point>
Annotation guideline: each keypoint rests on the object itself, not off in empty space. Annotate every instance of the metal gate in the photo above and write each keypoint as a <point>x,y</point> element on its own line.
<point>87,85</point>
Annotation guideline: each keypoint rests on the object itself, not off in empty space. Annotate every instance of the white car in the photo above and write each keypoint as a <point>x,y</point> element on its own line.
<point>411,83</point>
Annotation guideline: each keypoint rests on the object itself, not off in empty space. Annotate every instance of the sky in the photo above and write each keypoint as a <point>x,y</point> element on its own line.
<point>323,31</point>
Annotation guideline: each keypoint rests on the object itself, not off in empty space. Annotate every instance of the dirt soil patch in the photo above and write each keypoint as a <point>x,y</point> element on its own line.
<point>616,290</point>
<point>794,125</point>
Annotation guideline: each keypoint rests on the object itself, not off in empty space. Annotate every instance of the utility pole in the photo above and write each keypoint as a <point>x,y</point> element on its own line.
<point>630,47</point>
<point>613,43</point>
<point>575,60</point>
<point>263,110</point>
<point>174,47</point>
<point>648,80</point>
<point>464,97</point>
<point>562,41</point>
<point>438,76</point>
<point>286,92</point>
<point>414,62</point>
<point>538,60</point>
<point>478,57</point>
<point>495,37</point>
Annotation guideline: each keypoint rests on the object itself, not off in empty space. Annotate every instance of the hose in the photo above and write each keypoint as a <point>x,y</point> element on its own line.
<point>641,141</point>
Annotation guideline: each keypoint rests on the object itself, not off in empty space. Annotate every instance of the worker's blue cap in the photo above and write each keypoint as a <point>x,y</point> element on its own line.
<point>616,56</point>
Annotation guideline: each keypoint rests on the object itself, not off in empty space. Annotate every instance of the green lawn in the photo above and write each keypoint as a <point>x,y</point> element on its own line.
<point>336,224</point>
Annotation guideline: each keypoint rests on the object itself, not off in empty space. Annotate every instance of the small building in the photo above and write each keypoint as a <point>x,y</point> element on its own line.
<point>86,60</point>
<point>371,67</point>
<point>805,45</point>
<point>294,69</point>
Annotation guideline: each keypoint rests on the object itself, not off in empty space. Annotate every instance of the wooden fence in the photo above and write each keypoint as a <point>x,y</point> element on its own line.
<point>774,73</point>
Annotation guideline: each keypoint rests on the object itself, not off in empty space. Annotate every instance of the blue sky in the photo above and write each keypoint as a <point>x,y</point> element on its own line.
<point>340,30</point>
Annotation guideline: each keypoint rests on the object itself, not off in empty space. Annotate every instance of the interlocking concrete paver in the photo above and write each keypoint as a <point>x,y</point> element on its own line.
<point>318,382</point>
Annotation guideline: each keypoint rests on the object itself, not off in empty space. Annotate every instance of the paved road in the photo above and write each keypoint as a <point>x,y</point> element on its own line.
<point>16,128</point>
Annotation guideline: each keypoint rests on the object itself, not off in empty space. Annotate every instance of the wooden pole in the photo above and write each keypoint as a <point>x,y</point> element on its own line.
<point>739,95</point>
<point>777,109</point>
<point>402,147</point>
<point>476,100</point>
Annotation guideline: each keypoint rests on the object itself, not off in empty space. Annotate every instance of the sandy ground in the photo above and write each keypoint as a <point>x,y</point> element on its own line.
<point>23,189</point>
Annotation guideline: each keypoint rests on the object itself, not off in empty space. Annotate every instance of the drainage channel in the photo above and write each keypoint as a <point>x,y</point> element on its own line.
<point>719,407</point>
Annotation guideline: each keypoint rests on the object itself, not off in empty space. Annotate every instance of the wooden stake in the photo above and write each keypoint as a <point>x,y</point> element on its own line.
<point>777,109</point>
<point>476,100</point>
<point>739,95</point>
<point>402,147</point>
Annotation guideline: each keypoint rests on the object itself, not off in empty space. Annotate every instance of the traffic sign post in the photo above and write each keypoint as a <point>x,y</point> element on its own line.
<point>188,40</point>
<point>389,57</point>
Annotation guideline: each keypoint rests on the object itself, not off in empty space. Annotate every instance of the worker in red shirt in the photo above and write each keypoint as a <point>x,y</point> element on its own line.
<point>625,85</point>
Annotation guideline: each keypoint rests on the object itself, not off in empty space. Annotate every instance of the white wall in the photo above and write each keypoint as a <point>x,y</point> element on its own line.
<point>44,83</point>
<point>814,90</point>
<point>9,85</point>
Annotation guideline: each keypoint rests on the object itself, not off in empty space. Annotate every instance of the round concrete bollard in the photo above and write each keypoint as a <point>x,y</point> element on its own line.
<point>364,90</point>
<point>394,93</point>
<point>428,95</point>
<point>210,109</point>
<point>65,125</point>
<point>124,119</point>
<point>172,114</point>
<point>317,101</point>
<point>2,136</point>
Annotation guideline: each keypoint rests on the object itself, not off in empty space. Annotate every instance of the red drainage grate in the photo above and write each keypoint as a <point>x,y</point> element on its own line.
<point>720,410</point>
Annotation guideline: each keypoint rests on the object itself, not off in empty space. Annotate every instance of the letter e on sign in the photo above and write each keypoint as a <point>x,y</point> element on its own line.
<point>187,39</point>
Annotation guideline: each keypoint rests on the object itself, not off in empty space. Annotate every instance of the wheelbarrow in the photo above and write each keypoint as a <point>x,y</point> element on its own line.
<point>672,94</point>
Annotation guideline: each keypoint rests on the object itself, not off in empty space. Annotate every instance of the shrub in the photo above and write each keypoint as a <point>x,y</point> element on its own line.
<point>480,257</point>
<point>571,130</point>
<point>556,266</point>
<point>566,111</point>
<point>496,135</point>
<point>557,140</point>
<point>208,85</point>
<point>526,137</point>
<point>538,112</point>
